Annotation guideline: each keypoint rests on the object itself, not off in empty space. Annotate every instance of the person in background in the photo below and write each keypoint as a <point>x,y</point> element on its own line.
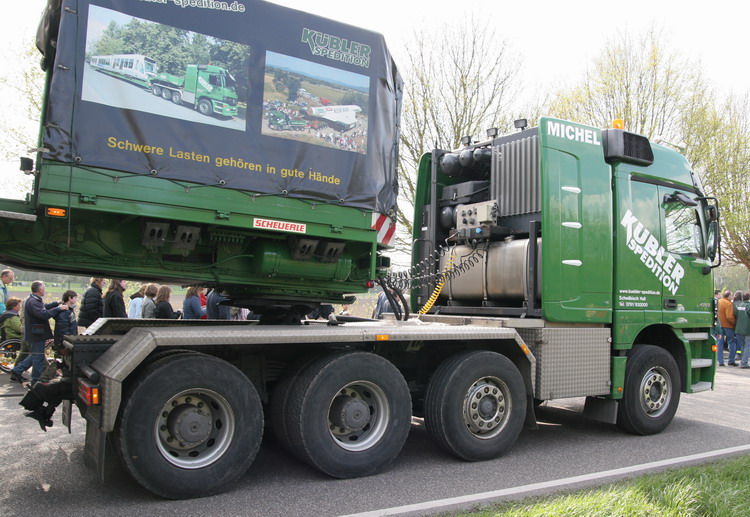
<point>6,277</point>
<point>739,343</point>
<point>114,303</point>
<point>163,307</point>
<point>191,307</point>
<point>345,311</point>
<point>214,308</point>
<point>92,304</point>
<point>204,304</point>
<point>727,321</point>
<point>716,331</point>
<point>742,328</point>
<point>36,330</point>
<point>148,308</point>
<point>10,320</point>
<point>136,303</point>
<point>381,306</point>
<point>65,325</point>
<point>11,327</point>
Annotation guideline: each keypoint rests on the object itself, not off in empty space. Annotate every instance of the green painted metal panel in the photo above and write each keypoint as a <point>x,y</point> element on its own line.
<point>618,376</point>
<point>576,224</point>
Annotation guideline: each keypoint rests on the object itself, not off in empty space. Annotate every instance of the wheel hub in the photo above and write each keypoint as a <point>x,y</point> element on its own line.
<point>190,425</point>
<point>485,407</point>
<point>349,413</point>
<point>656,391</point>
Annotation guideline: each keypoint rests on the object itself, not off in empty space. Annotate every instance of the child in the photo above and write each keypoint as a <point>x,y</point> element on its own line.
<point>65,325</point>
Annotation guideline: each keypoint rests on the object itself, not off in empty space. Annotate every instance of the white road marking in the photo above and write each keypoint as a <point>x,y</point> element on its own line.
<point>468,500</point>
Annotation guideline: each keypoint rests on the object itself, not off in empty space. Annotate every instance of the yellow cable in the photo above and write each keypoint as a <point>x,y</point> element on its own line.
<point>438,287</point>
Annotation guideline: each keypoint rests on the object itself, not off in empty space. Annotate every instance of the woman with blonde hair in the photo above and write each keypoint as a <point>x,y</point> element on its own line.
<point>148,309</point>
<point>163,307</point>
<point>136,303</point>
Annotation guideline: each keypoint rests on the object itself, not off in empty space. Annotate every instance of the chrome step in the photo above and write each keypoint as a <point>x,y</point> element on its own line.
<point>700,386</point>
<point>701,363</point>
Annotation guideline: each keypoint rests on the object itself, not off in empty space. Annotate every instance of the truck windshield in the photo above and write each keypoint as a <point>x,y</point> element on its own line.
<point>150,66</point>
<point>229,81</point>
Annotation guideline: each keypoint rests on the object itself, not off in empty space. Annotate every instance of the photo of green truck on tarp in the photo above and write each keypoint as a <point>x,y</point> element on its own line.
<point>191,71</point>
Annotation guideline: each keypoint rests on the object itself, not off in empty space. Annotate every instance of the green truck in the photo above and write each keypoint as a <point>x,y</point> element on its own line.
<point>208,88</point>
<point>280,121</point>
<point>558,261</point>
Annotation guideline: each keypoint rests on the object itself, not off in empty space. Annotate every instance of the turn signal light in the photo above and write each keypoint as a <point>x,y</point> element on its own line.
<point>618,123</point>
<point>56,212</point>
<point>88,393</point>
<point>714,348</point>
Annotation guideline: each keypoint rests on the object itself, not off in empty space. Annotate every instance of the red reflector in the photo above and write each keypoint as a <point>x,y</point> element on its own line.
<point>369,284</point>
<point>88,393</point>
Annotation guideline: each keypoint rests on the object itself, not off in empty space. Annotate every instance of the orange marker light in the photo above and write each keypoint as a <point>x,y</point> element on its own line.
<point>56,212</point>
<point>619,389</point>
<point>382,337</point>
<point>714,348</point>
<point>618,123</point>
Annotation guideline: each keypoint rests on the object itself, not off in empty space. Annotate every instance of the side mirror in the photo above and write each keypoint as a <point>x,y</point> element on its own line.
<point>714,242</point>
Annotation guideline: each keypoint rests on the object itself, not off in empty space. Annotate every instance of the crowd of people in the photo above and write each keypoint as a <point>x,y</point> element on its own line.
<point>29,321</point>
<point>733,327</point>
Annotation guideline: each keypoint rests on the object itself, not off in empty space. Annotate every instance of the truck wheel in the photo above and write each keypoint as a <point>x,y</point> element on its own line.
<point>280,400</point>
<point>176,98</point>
<point>652,391</point>
<point>166,94</point>
<point>190,424</point>
<point>156,90</point>
<point>349,414</point>
<point>475,405</point>
<point>205,107</point>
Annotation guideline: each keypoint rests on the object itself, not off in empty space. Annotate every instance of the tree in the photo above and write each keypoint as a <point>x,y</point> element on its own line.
<point>663,96</point>
<point>458,82</point>
<point>635,78</point>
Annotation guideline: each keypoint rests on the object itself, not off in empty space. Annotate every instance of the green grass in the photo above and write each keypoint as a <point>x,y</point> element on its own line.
<point>713,489</point>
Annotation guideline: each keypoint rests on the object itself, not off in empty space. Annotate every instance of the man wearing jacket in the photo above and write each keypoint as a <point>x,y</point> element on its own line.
<point>727,321</point>
<point>36,331</point>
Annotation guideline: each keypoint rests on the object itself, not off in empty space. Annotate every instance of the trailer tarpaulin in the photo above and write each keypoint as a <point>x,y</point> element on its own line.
<point>242,94</point>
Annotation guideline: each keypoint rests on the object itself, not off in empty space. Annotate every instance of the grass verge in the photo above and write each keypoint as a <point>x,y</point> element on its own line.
<point>712,489</point>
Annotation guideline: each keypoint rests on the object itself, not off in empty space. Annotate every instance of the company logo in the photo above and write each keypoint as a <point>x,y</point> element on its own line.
<point>282,226</point>
<point>575,133</point>
<point>205,84</point>
<point>661,263</point>
<point>337,49</point>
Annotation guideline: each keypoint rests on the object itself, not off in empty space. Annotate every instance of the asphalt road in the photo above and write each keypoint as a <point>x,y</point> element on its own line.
<point>45,472</point>
<point>105,89</point>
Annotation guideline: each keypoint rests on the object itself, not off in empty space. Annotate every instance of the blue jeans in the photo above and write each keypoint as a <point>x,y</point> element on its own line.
<point>745,349</point>
<point>720,347</point>
<point>732,342</point>
<point>36,359</point>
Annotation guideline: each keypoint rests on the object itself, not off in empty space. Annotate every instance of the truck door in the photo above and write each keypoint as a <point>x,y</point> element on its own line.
<point>638,281</point>
<point>685,278</point>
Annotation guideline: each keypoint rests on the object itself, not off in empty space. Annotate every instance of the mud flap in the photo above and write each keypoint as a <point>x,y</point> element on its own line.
<point>94,451</point>
<point>67,413</point>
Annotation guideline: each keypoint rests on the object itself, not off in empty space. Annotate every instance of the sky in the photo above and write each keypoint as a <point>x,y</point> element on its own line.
<point>555,40</point>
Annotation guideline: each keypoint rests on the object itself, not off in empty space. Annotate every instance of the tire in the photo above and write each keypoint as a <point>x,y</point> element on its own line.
<point>280,397</point>
<point>488,426</point>
<point>166,94</point>
<point>205,107</point>
<point>176,98</point>
<point>348,415</point>
<point>652,391</point>
<point>8,353</point>
<point>190,425</point>
<point>156,90</point>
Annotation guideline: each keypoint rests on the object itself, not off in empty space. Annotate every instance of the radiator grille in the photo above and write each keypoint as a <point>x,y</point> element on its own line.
<point>515,176</point>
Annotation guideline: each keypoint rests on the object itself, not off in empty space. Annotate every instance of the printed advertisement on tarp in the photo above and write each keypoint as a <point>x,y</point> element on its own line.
<point>242,94</point>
